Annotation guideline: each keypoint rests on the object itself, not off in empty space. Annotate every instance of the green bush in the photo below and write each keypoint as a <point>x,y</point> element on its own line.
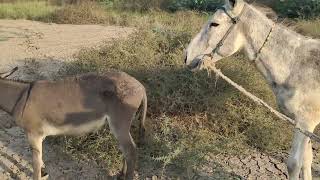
<point>201,5</point>
<point>298,8</point>
<point>171,5</point>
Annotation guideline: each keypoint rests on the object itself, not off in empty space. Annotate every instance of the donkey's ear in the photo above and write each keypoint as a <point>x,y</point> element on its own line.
<point>7,74</point>
<point>235,5</point>
<point>231,3</point>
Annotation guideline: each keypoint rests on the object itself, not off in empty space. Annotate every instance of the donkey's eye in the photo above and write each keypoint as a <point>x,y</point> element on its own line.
<point>213,24</point>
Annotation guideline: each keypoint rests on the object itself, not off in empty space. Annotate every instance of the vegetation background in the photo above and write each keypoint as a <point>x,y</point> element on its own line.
<point>188,116</point>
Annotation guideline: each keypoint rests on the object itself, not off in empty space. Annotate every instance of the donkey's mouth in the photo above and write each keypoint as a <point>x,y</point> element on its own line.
<point>194,65</point>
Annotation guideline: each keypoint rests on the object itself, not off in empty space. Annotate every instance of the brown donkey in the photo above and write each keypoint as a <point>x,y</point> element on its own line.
<point>74,106</point>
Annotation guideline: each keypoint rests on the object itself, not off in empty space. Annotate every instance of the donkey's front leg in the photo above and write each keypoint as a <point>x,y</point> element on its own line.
<point>35,141</point>
<point>307,162</point>
<point>296,156</point>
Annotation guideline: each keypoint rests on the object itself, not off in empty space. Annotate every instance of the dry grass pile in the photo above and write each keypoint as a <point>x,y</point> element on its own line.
<point>188,117</point>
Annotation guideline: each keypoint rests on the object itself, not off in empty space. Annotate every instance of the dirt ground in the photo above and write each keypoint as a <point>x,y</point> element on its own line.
<point>44,48</point>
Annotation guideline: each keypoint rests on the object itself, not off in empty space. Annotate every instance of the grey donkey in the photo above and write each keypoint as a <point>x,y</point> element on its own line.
<point>74,106</point>
<point>289,61</point>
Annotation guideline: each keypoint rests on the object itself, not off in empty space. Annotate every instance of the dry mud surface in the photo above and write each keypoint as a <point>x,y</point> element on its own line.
<point>43,48</point>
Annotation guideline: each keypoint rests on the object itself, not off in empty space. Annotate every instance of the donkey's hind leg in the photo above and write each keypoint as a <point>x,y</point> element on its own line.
<point>128,148</point>
<point>121,130</point>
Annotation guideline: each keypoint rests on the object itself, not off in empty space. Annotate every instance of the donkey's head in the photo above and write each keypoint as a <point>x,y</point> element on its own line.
<point>220,37</point>
<point>4,75</point>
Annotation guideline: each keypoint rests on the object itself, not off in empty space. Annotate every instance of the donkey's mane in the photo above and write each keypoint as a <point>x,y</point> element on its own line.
<point>18,81</point>
<point>268,13</point>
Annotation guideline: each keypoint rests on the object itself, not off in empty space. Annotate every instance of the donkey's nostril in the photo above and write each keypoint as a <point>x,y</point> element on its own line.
<point>185,59</point>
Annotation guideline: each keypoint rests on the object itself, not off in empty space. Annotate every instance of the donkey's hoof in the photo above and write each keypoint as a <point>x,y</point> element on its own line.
<point>44,174</point>
<point>46,177</point>
<point>120,176</point>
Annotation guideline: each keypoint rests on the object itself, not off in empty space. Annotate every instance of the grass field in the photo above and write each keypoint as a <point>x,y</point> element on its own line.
<point>25,10</point>
<point>188,116</point>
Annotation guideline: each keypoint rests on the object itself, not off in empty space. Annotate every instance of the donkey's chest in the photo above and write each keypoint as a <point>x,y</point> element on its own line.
<point>299,103</point>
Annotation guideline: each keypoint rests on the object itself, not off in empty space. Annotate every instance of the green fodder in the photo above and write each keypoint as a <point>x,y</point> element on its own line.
<point>25,10</point>
<point>188,116</point>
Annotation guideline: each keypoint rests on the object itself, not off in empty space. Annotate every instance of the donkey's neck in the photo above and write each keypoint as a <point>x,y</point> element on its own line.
<point>256,28</point>
<point>271,46</point>
<point>10,93</point>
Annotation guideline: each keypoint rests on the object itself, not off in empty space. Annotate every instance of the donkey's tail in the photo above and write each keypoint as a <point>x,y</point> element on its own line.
<point>143,119</point>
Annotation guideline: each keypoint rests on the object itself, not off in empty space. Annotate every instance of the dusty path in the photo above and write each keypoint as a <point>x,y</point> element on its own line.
<point>20,39</point>
<point>43,48</point>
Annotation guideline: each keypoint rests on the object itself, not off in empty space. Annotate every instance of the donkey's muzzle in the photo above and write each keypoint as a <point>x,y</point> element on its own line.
<point>194,64</point>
